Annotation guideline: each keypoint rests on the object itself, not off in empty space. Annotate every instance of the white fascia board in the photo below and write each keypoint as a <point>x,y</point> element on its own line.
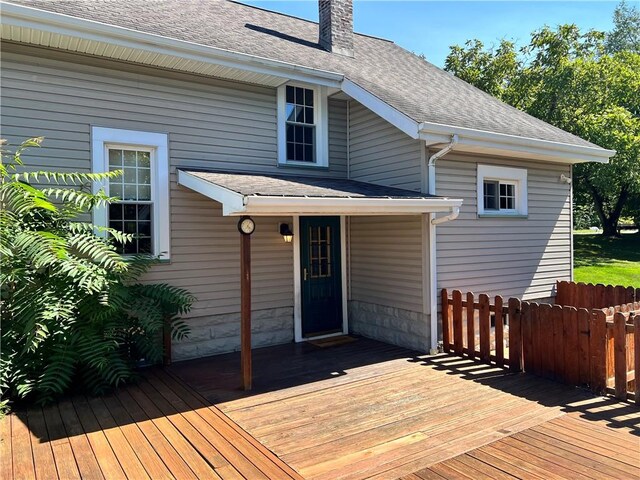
<point>232,202</point>
<point>381,108</point>
<point>434,133</point>
<point>29,17</point>
<point>265,205</point>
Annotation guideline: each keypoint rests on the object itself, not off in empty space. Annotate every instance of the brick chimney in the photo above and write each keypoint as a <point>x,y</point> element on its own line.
<point>336,26</point>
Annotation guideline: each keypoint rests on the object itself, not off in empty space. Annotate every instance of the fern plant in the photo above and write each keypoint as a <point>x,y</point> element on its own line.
<point>74,314</point>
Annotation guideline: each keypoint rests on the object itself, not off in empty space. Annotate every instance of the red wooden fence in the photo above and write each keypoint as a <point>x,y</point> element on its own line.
<point>596,348</point>
<point>588,295</point>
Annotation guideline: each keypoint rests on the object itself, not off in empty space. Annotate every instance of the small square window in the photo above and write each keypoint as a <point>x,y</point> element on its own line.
<point>502,191</point>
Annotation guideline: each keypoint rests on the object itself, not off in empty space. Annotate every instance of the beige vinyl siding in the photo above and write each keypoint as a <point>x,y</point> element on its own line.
<point>380,153</point>
<point>385,261</point>
<point>511,257</point>
<point>211,123</point>
<point>205,257</point>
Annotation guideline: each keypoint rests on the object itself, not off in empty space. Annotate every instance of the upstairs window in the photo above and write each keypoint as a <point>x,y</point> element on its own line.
<point>502,191</point>
<point>142,190</point>
<point>302,126</point>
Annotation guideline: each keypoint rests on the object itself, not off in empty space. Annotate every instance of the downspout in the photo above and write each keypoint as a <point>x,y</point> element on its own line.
<point>433,221</point>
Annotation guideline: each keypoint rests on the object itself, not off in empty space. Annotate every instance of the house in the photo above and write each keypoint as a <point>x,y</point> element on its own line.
<point>389,177</point>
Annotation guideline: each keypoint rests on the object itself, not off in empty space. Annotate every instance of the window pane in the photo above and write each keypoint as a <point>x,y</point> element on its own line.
<point>115,211</point>
<point>290,113</point>
<point>144,192</point>
<point>490,195</point>
<point>299,96</point>
<point>308,153</point>
<point>115,159</point>
<point>290,95</point>
<point>144,245</point>
<point>308,135</point>
<point>130,192</point>
<point>130,227</point>
<point>299,114</point>
<point>308,97</point>
<point>130,158</point>
<point>129,212</point>
<point>290,150</point>
<point>299,152</point>
<point>144,159</point>
<point>129,175</point>
<point>144,176</point>
<point>144,212</point>
<point>308,115</point>
<point>511,203</point>
<point>115,190</point>
<point>144,229</point>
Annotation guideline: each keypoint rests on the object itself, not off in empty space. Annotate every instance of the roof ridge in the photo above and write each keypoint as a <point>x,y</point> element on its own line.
<point>239,2</point>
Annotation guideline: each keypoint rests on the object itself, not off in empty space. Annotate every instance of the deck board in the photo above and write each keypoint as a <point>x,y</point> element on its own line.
<point>350,412</point>
<point>369,410</point>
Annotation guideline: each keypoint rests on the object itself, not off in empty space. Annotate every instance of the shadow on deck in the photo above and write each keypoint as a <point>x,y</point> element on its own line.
<point>360,410</point>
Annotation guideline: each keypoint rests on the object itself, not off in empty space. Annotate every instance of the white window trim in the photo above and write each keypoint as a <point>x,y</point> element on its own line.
<point>517,176</point>
<point>157,143</point>
<point>320,103</point>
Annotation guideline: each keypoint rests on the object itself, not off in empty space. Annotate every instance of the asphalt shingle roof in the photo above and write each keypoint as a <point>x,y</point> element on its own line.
<point>401,79</point>
<point>250,184</point>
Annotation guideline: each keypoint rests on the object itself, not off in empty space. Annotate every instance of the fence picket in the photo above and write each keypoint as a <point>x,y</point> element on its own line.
<point>636,359</point>
<point>485,327</point>
<point>446,333</point>
<point>620,355</point>
<point>499,331</point>
<point>558,343</point>
<point>598,350</point>
<point>570,330</point>
<point>471,326</point>
<point>584,370</point>
<point>515,335</point>
<point>527,338</point>
<point>457,322</point>
<point>546,340</point>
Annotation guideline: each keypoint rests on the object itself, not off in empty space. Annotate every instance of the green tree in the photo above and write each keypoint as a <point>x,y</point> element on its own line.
<point>73,311</point>
<point>566,78</point>
<point>626,30</point>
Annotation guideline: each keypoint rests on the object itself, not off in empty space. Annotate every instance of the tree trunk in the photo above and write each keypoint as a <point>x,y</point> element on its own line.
<point>609,222</point>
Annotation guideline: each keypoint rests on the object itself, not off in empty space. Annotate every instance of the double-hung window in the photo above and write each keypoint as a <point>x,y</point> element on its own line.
<point>142,189</point>
<point>302,126</point>
<point>502,191</point>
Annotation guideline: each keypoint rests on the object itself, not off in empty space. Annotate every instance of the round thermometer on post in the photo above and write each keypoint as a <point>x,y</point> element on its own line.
<point>246,225</point>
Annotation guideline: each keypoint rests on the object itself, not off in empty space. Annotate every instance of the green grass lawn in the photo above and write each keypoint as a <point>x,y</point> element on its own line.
<point>612,261</point>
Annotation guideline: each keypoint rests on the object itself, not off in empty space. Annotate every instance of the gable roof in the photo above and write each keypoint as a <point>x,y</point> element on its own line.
<point>412,86</point>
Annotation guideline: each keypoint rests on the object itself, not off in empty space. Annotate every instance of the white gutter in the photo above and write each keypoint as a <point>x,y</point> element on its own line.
<point>90,30</point>
<point>455,211</point>
<point>434,133</point>
<point>433,221</point>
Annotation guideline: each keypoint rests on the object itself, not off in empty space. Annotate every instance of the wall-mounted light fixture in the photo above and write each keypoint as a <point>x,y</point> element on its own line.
<point>286,232</point>
<point>565,179</point>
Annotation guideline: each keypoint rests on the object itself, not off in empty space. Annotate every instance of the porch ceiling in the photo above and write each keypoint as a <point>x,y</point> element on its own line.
<point>262,194</point>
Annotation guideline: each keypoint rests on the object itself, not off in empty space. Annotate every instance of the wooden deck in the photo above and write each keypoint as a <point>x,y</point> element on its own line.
<point>157,430</point>
<point>370,410</point>
<point>354,411</point>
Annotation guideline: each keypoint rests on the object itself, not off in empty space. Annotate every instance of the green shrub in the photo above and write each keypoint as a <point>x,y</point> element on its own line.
<point>74,315</point>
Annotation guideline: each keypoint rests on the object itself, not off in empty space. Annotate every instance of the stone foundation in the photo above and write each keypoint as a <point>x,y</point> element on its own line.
<point>391,325</point>
<point>221,333</point>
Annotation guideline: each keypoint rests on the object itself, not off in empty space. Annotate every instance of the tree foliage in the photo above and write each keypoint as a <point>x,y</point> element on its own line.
<point>582,83</point>
<point>73,311</point>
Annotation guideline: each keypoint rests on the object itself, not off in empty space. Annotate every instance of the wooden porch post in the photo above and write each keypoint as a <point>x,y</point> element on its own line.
<point>245,308</point>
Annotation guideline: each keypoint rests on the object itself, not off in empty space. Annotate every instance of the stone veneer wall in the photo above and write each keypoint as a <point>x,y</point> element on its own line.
<point>390,324</point>
<point>221,333</point>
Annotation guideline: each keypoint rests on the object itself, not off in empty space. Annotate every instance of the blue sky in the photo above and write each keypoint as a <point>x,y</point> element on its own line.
<point>431,27</point>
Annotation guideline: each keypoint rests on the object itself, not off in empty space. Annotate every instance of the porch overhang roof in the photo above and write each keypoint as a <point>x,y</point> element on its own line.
<point>265,194</point>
